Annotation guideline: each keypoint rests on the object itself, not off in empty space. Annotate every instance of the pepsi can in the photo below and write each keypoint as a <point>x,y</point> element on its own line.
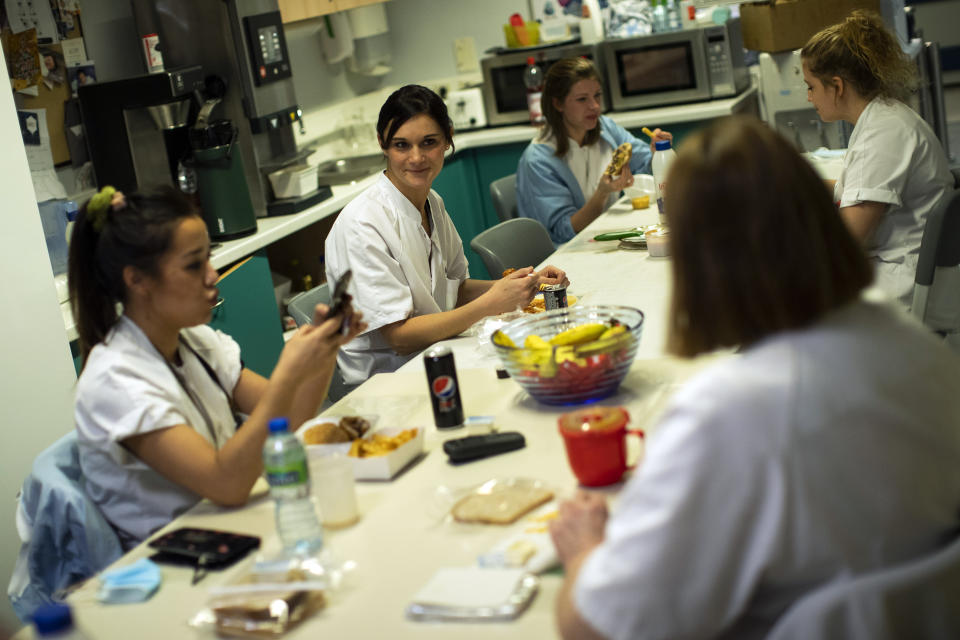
<point>444,387</point>
<point>554,297</point>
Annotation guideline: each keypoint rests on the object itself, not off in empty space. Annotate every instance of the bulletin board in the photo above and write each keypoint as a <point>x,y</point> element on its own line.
<point>43,45</point>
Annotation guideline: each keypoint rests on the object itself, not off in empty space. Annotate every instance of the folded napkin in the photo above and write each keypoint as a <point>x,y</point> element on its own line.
<point>469,587</point>
<point>133,583</point>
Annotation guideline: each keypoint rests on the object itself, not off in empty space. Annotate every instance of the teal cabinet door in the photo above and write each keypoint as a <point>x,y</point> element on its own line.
<point>458,186</point>
<point>494,163</point>
<point>249,313</point>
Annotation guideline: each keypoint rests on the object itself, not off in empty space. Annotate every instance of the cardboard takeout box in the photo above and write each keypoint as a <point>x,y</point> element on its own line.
<point>784,25</point>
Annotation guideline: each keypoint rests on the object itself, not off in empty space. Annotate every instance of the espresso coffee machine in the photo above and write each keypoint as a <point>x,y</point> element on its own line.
<point>243,42</point>
<point>136,129</point>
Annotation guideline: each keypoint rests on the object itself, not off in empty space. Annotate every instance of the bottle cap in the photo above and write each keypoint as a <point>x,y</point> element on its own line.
<point>51,618</point>
<point>531,60</point>
<point>662,145</point>
<point>279,425</point>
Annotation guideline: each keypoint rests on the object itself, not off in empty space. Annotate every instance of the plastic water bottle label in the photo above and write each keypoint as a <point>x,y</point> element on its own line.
<point>291,474</point>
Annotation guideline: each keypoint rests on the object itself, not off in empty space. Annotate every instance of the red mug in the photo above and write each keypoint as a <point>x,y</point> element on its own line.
<point>595,439</point>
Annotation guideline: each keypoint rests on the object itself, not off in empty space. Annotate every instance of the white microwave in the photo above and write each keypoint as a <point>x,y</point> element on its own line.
<point>674,67</point>
<point>505,95</point>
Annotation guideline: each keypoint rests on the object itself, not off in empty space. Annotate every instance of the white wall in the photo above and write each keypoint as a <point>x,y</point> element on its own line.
<point>36,374</point>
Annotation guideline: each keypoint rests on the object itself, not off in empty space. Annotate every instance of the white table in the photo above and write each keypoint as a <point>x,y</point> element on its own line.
<point>404,534</point>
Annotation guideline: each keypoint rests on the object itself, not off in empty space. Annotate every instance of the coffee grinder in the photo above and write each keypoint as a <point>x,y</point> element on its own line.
<point>243,42</point>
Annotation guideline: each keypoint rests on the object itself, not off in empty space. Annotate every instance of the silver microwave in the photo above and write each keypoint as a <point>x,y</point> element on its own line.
<point>504,94</point>
<point>677,66</point>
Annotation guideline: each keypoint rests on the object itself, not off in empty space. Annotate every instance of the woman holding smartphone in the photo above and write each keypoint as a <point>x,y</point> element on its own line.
<point>166,413</point>
<point>410,275</point>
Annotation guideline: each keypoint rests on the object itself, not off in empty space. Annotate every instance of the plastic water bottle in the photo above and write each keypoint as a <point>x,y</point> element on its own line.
<point>70,211</point>
<point>285,463</point>
<point>673,16</point>
<point>533,79</point>
<point>659,16</point>
<point>662,159</point>
<point>55,621</point>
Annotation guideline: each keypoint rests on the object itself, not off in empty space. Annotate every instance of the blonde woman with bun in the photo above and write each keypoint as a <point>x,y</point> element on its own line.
<point>895,171</point>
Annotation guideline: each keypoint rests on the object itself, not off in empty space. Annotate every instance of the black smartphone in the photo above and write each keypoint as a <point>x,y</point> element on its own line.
<point>339,299</point>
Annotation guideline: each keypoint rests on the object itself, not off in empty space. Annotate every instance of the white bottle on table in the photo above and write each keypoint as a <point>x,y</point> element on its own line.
<point>663,157</point>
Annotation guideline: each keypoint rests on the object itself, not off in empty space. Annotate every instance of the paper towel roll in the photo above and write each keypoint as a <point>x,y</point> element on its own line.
<point>336,38</point>
<point>367,21</point>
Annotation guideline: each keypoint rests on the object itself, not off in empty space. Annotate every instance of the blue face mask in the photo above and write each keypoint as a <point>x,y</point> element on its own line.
<point>133,583</point>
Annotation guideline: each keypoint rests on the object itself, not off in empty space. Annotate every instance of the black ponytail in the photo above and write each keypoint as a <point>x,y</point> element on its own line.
<point>136,234</point>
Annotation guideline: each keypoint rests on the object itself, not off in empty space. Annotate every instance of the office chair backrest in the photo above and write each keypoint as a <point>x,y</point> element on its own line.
<point>503,192</point>
<point>939,247</point>
<point>301,306</point>
<point>517,243</point>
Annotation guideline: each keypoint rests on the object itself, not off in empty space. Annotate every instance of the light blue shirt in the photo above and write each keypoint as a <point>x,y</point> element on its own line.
<point>547,190</point>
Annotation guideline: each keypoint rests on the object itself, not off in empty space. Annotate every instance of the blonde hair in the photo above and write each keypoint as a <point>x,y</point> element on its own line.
<point>865,54</point>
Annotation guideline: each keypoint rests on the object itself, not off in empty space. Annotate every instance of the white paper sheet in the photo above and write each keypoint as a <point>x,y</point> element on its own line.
<point>469,587</point>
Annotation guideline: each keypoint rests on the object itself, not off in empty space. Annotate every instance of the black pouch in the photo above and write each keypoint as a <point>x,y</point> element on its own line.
<point>202,549</point>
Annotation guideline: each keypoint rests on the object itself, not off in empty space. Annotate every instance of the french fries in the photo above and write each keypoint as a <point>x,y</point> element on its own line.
<point>379,444</point>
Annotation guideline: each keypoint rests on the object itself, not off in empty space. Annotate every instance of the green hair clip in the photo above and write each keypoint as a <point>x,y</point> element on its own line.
<point>98,206</point>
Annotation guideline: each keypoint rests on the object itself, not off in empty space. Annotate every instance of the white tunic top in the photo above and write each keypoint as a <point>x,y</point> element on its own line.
<point>398,271</point>
<point>816,454</point>
<point>893,157</point>
<point>126,389</point>
<point>587,164</point>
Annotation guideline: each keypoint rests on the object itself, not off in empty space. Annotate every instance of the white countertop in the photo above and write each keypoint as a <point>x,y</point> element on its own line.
<point>274,228</point>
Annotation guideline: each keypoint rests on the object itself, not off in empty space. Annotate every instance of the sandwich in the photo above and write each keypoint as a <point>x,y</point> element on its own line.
<point>504,506</point>
<point>621,158</point>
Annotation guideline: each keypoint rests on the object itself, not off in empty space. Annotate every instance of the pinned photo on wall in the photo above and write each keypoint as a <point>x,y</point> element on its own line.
<point>74,53</point>
<point>32,14</point>
<point>53,67</point>
<point>81,75</point>
<point>30,127</point>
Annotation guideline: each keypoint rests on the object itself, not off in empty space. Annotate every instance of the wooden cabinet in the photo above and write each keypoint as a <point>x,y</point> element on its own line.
<point>249,313</point>
<point>294,10</point>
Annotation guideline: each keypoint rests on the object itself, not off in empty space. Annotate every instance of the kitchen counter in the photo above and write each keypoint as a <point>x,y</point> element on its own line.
<point>271,229</point>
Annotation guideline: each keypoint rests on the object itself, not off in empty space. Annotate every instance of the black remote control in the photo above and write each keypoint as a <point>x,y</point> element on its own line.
<point>476,447</point>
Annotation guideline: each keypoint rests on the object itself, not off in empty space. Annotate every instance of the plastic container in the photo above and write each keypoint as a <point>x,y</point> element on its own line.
<point>533,80</point>
<point>55,621</point>
<point>659,16</point>
<point>663,157</point>
<point>70,211</point>
<point>55,233</point>
<point>673,16</point>
<point>285,465</point>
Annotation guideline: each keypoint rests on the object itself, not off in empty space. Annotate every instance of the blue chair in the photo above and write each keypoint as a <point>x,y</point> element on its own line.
<point>301,308</point>
<point>917,599</point>
<point>66,538</point>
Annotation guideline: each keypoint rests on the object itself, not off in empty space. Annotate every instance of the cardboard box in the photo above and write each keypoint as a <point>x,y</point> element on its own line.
<point>784,25</point>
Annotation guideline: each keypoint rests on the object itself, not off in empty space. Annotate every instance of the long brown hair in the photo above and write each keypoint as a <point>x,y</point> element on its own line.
<point>865,54</point>
<point>561,77</point>
<point>757,244</point>
<point>137,234</point>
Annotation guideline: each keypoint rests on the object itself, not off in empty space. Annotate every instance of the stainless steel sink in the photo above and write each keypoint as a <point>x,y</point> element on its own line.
<point>347,170</point>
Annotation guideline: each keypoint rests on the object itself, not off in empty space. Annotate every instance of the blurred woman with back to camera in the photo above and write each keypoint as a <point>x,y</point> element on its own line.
<point>825,449</point>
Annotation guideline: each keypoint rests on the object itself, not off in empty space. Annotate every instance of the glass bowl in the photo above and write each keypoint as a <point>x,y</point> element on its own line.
<point>571,374</point>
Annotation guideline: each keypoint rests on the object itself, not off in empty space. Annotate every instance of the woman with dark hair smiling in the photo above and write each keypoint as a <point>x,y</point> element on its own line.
<point>827,448</point>
<point>409,271</point>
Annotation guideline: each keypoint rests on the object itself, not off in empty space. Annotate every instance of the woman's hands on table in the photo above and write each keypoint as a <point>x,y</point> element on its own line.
<point>512,291</point>
<point>579,526</point>
<point>551,275</point>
